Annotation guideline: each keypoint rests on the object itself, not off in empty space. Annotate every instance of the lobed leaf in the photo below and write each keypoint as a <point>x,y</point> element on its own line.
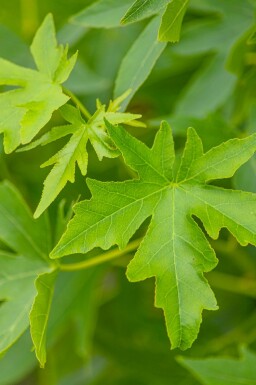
<point>174,250</point>
<point>37,94</point>
<point>75,152</point>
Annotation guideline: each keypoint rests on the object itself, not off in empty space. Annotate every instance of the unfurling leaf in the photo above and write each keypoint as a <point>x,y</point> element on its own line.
<point>81,131</point>
<point>175,250</point>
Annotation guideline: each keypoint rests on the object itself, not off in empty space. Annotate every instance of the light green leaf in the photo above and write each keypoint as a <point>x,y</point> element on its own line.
<point>102,14</point>
<point>74,152</point>
<point>172,21</point>
<point>30,240</point>
<point>175,250</point>
<point>39,314</point>
<point>142,9</point>
<point>25,110</point>
<point>223,371</point>
<point>139,61</point>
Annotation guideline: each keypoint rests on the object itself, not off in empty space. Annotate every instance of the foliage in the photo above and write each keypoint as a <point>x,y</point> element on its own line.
<point>179,211</point>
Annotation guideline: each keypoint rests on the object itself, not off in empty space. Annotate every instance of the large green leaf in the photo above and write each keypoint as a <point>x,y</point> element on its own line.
<point>18,272</point>
<point>223,371</point>
<point>40,313</point>
<point>139,61</point>
<point>37,93</point>
<point>174,250</point>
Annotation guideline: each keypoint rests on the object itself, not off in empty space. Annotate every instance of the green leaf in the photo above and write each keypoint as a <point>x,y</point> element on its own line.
<point>204,83</point>
<point>102,14</point>
<point>175,250</point>
<point>142,9</point>
<point>172,21</point>
<point>39,314</point>
<point>223,371</point>
<point>37,94</point>
<point>30,241</point>
<point>74,152</point>
<point>139,61</point>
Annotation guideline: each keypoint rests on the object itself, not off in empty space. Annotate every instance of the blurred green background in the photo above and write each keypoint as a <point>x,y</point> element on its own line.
<point>208,81</point>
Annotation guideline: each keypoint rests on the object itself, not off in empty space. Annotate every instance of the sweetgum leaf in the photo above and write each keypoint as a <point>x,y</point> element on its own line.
<point>174,250</point>
<point>29,239</point>
<point>37,93</point>
<point>75,152</point>
<point>223,370</point>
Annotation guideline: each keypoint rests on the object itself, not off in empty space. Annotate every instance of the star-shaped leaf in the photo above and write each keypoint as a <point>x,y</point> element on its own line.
<point>175,250</point>
<point>75,152</point>
<point>37,93</point>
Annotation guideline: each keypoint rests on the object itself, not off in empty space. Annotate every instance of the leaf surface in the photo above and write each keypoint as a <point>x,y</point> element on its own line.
<point>37,93</point>
<point>172,20</point>
<point>141,9</point>
<point>223,371</point>
<point>40,312</point>
<point>139,61</point>
<point>18,271</point>
<point>174,250</point>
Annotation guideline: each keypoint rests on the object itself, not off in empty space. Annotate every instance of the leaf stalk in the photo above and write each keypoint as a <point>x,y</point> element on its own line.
<point>78,103</point>
<point>99,259</point>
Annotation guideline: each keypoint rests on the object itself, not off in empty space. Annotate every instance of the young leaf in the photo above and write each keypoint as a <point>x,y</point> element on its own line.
<point>142,9</point>
<point>64,162</point>
<point>25,110</point>
<point>223,371</point>
<point>39,314</point>
<point>30,241</point>
<point>102,14</point>
<point>139,61</point>
<point>172,20</point>
<point>175,250</point>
